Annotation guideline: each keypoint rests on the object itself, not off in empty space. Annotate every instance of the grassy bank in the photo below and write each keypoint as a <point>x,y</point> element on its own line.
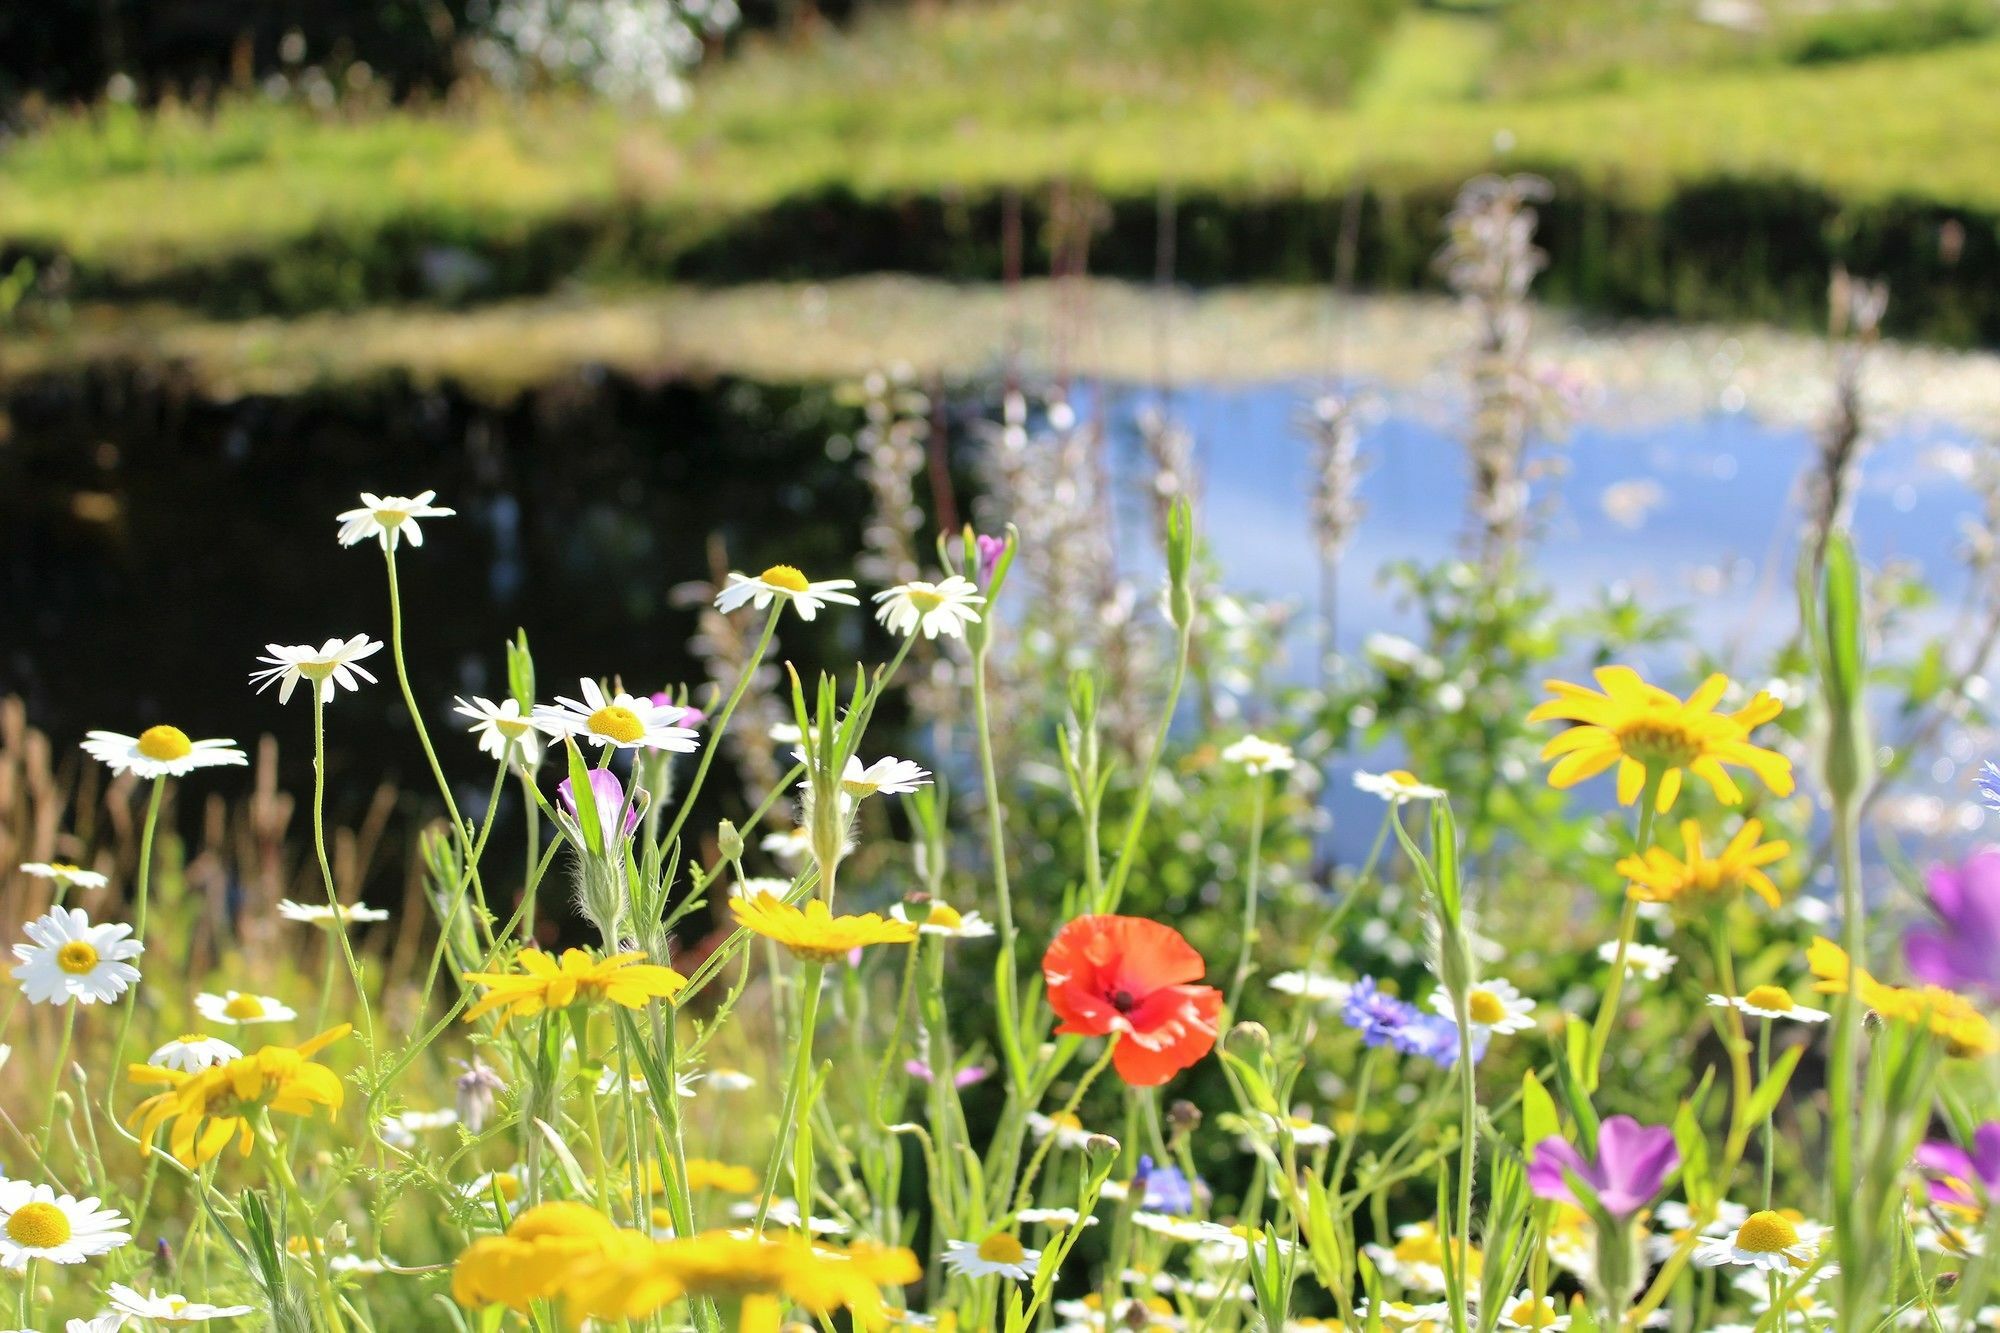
<point>1725,193</point>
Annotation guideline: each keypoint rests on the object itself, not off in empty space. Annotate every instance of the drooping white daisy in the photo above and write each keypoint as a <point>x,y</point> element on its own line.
<point>37,1223</point>
<point>65,875</point>
<point>1305,1133</point>
<point>169,1309</point>
<point>1768,1240</point>
<point>159,752</point>
<point>322,914</point>
<point>1056,1219</point>
<point>1068,1130</point>
<point>241,1008</point>
<point>888,775</point>
<point>1398,786</point>
<point>504,731</point>
<point>999,1255</point>
<point>193,1052</point>
<point>1316,986</point>
<point>1648,962</point>
<point>70,959</point>
<point>1770,1002</point>
<point>785,583</point>
<point>938,918</point>
<point>1257,756</point>
<point>331,667</point>
<point>388,517</point>
<point>935,608</point>
<point>1494,1006</point>
<point>621,720</point>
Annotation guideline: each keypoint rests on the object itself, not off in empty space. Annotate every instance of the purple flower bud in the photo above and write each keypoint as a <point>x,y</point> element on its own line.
<point>609,795</point>
<point>990,551</point>
<point>477,1087</point>
<point>1633,1161</point>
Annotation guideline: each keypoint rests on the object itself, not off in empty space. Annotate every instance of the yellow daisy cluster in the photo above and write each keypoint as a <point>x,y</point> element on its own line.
<point>1638,728</point>
<point>213,1106</point>
<point>813,933</point>
<point>543,983</point>
<point>1660,877</point>
<point>1947,1014</point>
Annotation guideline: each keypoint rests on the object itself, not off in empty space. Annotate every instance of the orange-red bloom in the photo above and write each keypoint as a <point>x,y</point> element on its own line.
<point>1131,978</point>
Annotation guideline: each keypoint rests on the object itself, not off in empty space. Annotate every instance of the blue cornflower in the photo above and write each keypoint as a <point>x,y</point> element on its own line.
<point>1988,783</point>
<point>1163,1188</point>
<point>1377,1016</point>
<point>1435,1038</point>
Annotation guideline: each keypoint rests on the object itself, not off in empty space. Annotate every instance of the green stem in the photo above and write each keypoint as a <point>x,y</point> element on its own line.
<point>1628,924</point>
<point>722,723</point>
<point>792,1118</point>
<point>1246,948</point>
<point>1763,1075</point>
<point>141,892</point>
<point>996,837</point>
<point>339,923</point>
<point>281,1170</point>
<point>55,1080</point>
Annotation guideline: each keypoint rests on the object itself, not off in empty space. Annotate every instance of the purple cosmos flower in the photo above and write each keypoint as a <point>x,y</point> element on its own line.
<point>1163,1188</point>
<point>964,1078</point>
<point>609,795</point>
<point>1961,948</point>
<point>1633,1161</point>
<point>990,551</point>
<point>1967,1179</point>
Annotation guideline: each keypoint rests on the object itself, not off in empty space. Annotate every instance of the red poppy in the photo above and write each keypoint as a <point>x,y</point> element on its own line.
<point>1130,977</point>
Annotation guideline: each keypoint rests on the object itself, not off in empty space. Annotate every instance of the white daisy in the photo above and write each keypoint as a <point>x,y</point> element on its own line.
<point>169,1309</point>
<point>1068,1130</point>
<point>65,875</point>
<point>1767,1240</point>
<point>159,752</point>
<point>504,731</point>
<point>1058,1219</point>
<point>1191,1230</point>
<point>1258,756</point>
<point>1305,1133</point>
<point>1316,986</point>
<point>1402,1314</point>
<point>785,733</point>
<point>1673,1223</point>
<point>607,1083</point>
<point>401,1131</point>
<point>785,1213</point>
<point>356,1265</point>
<point>785,583</point>
<point>621,720</point>
<point>71,959</point>
<point>790,846</point>
<point>194,1052</point>
<point>1770,1002</point>
<point>999,1255</point>
<point>1495,1006</point>
<point>1398,786</point>
<point>935,608</point>
<point>888,775</point>
<point>241,1008</point>
<point>943,919</point>
<point>388,517</point>
<point>484,1186</point>
<point>755,886</point>
<point>730,1080</point>
<point>332,664</point>
<point>36,1223</point>
<point>322,914</point>
<point>1528,1310</point>
<point>1648,962</point>
<point>103,1323</point>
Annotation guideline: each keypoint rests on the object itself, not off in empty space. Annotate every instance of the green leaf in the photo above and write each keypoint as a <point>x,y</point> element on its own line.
<point>1765,1099</point>
<point>585,798</point>
<point>1538,1113</point>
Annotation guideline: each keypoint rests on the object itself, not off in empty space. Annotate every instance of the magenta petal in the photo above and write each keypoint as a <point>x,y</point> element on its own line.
<point>1946,890</point>
<point>1634,1160</point>
<point>1548,1166</point>
<point>1986,1154</point>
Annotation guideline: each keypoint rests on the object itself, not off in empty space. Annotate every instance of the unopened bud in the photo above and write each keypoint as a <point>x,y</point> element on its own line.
<point>1253,1035</point>
<point>729,841</point>
<point>1100,1150</point>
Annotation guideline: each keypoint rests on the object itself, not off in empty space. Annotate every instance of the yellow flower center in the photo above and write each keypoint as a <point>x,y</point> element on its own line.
<point>512,726</point>
<point>244,1006</point>
<point>65,868</point>
<point>1485,1007</point>
<point>1771,997</point>
<point>165,743</point>
<point>783,576</point>
<point>947,917</point>
<point>618,722</point>
<point>38,1226</point>
<point>1659,743</point>
<point>1532,1313</point>
<point>1766,1233</point>
<point>76,957</point>
<point>1066,1120</point>
<point>507,1185</point>
<point>1402,777</point>
<point>190,1039</point>
<point>924,599</point>
<point>1001,1248</point>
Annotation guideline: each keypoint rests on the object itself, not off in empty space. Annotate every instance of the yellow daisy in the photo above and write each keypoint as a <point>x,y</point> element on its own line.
<point>1946,1013</point>
<point>813,933</point>
<point>632,1277</point>
<point>1661,877</point>
<point>543,983</point>
<point>1638,727</point>
<point>210,1108</point>
<point>530,1262</point>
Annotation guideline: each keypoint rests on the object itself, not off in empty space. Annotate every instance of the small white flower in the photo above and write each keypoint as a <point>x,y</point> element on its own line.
<point>785,1213</point>
<point>1058,1219</point>
<point>1000,1254</point>
<point>322,914</point>
<point>483,1187</point>
<point>1398,786</point>
<point>1770,1002</point>
<point>783,582</point>
<point>785,733</point>
<point>607,1083</point>
<point>935,608</point>
<point>1493,1006</point>
<point>1305,1133</point>
<point>730,1080</point>
<point>332,665</point>
<point>621,720</point>
<point>790,846</point>
<point>1187,1229</point>
<point>193,1053</point>
<point>1530,1311</point>
<point>1673,1222</point>
<point>103,1323</point>
<point>755,886</point>
<point>387,517</point>
<point>1766,1240</point>
<point>36,1223</point>
<point>65,875</point>
<point>1316,986</point>
<point>1068,1130</point>
<point>241,1008</point>
<point>1648,962</point>
<point>356,1265</point>
<point>943,919</point>
<point>160,752</point>
<point>401,1131</point>
<point>888,775</point>
<point>1258,756</point>
<point>71,959</point>
<point>169,1309</point>
<point>1402,1314</point>
<point>504,731</point>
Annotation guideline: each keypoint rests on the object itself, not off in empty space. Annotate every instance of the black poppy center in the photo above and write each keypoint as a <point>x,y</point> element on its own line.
<point>1124,1001</point>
